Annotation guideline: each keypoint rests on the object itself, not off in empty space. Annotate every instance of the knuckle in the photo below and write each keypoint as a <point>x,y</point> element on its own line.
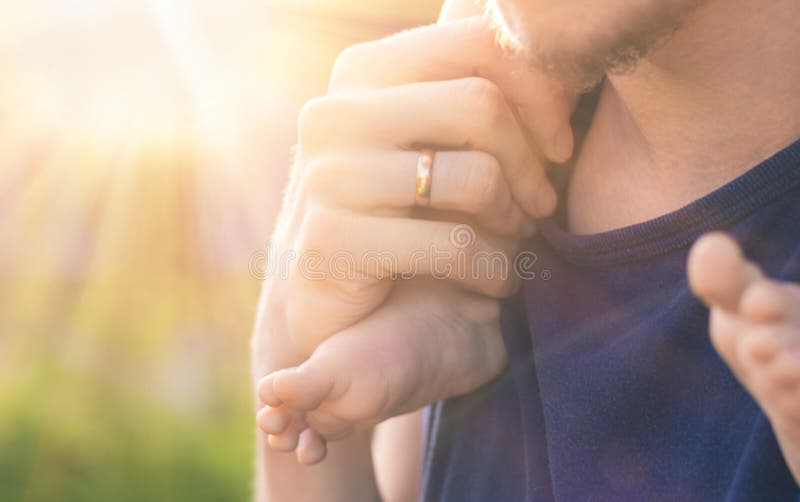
<point>317,174</point>
<point>484,100</point>
<point>347,64</point>
<point>315,121</point>
<point>485,183</point>
<point>316,230</point>
<point>359,291</point>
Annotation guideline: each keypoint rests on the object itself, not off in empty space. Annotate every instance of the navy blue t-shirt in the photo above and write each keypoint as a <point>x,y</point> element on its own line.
<point>614,391</point>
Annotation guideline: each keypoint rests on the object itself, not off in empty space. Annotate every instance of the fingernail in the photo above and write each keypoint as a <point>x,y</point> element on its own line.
<point>564,143</point>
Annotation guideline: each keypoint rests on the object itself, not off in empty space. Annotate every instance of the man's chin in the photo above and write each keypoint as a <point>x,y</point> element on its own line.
<point>582,51</point>
<point>548,53</point>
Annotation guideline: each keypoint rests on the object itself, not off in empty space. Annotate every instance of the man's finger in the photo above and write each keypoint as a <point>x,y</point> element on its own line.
<point>464,114</point>
<point>469,182</point>
<point>460,49</point>
<point>341,246</point>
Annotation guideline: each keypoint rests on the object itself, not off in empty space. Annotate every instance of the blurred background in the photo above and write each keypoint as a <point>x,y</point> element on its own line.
<point>144,145</point>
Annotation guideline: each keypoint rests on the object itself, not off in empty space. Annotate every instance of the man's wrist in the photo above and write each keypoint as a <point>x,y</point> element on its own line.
<point>271,347</point>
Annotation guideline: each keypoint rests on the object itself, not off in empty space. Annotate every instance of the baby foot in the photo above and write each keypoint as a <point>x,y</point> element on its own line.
<point>755,326</point>
<point>429,341</point>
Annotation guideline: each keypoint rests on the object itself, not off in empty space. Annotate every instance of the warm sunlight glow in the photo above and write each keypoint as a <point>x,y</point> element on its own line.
<point>144,145</point>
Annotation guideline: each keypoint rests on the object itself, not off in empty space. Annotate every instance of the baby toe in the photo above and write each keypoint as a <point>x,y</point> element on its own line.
<point>311,448</point>
<point>266,391</point>
<point>305,387</point>
<point>287,440</point>
<point>774,381</point>
<point>272,420</point>
<point>786,373</point>
<point>765,301</point>
<point>758,346</point>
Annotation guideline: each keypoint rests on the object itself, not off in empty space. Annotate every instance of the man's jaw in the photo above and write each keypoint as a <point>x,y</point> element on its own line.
<point>581,55</point>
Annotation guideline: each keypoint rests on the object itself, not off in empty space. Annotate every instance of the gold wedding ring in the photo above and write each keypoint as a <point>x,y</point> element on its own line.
<point>424,177</point>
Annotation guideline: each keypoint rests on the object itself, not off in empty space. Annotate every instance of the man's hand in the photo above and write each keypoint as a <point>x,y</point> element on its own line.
<point>352,189</point>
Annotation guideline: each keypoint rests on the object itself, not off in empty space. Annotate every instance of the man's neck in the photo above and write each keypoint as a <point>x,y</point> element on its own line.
<point>719,97</point>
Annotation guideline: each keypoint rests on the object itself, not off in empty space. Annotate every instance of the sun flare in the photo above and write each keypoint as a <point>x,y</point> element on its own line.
<point>144,145</point>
